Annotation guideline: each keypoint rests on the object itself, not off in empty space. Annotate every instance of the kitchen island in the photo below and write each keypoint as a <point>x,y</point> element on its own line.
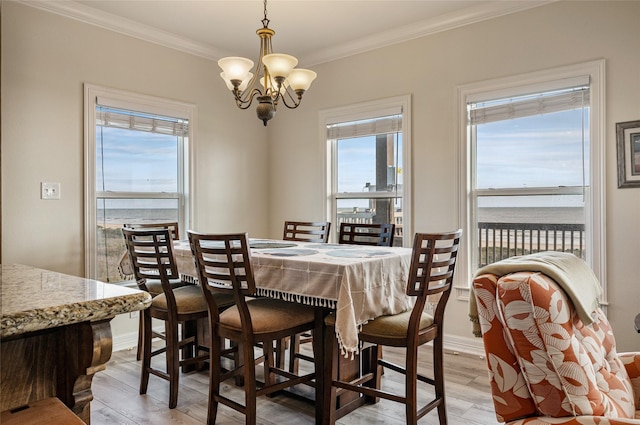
<point>55,334</point>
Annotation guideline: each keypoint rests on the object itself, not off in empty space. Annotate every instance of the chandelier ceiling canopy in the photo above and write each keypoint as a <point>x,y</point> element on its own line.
<point>274,79</point>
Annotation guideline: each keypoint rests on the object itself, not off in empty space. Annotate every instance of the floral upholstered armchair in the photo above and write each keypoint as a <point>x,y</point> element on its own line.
<point>549,363</point>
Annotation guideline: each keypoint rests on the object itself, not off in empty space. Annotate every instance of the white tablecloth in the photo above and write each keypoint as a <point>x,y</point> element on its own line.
<point>359,282</point>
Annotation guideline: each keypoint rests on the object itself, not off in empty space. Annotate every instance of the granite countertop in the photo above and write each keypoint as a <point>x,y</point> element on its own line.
<point>33,299</point>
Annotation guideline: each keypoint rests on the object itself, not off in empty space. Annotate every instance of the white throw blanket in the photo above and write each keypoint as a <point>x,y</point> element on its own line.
<point>571,273</point>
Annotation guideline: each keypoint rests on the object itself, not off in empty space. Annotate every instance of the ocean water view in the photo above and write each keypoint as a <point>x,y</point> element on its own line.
<point>116,217</point>
<point>552,215</point>
<point>111,244</point>
<point>556,215</point>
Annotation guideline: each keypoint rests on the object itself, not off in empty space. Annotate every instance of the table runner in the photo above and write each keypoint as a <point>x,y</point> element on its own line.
<point>359,282</point>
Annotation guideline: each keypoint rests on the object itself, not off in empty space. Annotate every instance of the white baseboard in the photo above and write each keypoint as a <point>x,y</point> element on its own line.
<point>468,345</point>
<point>129,340</point>
<point>125,341</point>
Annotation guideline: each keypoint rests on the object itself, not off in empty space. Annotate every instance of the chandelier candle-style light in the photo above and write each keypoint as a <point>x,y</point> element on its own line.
<point>274,78</point>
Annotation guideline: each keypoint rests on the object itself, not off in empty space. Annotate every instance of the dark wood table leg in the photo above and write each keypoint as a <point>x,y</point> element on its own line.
<point>370,357</point>
<point>319,360</point>
<point>344,369</point>
<point>190,329</point>
<point>329,371</point>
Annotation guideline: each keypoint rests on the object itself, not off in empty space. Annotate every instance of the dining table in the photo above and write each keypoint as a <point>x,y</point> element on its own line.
<point>359,282</point>
<point>356,282</point>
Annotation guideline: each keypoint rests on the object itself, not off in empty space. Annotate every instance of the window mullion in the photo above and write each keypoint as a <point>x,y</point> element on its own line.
<point>137,195</point>
<point>367,195</point>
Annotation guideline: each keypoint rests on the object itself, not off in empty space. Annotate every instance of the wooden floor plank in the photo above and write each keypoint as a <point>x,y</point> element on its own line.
<point>117,399</point>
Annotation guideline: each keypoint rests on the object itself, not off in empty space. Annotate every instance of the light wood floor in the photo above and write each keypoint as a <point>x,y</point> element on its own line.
<point>117,400</point>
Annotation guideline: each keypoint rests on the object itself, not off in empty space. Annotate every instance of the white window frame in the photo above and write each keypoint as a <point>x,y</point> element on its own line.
<point>533,82</point>
<point>137,102</point>
<point>363,111</point>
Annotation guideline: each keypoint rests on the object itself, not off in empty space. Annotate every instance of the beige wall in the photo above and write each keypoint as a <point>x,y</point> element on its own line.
<point>45,61</point>
<point>47,58</point>
<point>429,69</point>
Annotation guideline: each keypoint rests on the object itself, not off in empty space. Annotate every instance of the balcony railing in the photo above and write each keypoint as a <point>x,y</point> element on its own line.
<point>366,217</point>
<point>497,241</point>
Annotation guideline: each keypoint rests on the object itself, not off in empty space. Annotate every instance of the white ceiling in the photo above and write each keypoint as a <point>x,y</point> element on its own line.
<point>315,31</point>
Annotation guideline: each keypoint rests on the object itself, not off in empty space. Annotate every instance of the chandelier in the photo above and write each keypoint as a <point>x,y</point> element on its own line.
<point>274,79</point>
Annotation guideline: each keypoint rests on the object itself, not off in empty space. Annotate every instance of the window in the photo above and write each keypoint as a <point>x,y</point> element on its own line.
<point>367,151</point>
<point>533,161</point>
<point>136,170</point>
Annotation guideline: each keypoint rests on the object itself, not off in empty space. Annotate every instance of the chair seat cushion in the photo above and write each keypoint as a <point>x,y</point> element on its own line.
<point>154,286</point>
<point>269,315</point>
<point>392,326</point>
<point>189,299</point>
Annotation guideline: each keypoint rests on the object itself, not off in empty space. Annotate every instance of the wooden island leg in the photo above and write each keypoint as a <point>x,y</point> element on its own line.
<point>86,350</point>
<point>59,362</point>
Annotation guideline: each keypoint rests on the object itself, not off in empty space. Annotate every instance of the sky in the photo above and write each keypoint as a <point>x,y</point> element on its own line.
<point>137,161</point>
<point>538,151</point>
<point>357,163</point>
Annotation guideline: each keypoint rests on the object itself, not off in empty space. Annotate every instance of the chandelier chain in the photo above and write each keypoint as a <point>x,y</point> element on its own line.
<point>265,21</point>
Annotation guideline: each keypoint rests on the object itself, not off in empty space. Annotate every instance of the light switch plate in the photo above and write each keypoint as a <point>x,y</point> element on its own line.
<point>50,190</point>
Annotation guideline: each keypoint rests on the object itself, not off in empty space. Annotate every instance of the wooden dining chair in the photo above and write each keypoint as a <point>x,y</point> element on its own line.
<point>224,267</point>
<point>153,286</point>
<point>173,227</point>
<point>366,234</point>
<point>306,231</point>
<point>430,276</point>
<point>151,252</point>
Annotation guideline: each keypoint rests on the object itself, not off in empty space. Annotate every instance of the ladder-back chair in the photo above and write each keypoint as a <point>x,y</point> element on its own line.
<point>151,253</point>
<point>153,286</point>
<point>306,231</point>
<point>430,276</point>
<point>224,267</point>
<point>366,234</point>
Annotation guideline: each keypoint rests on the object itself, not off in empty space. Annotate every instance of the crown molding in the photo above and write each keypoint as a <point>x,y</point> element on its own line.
<point>128,27</point>
<point>474,14</point>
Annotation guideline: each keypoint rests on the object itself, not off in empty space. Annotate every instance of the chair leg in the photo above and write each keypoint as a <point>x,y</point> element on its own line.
<point>438,376</point>
<point>214,378</point>
<point>237,361</point>
<point>411,385</point>
<point>293,351</point>
<point>281,349</point>
<point>146,350</point>
<point>249,381</point>
<point>140,337</point>
<point>173,361</point>
<point>268,364</point>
